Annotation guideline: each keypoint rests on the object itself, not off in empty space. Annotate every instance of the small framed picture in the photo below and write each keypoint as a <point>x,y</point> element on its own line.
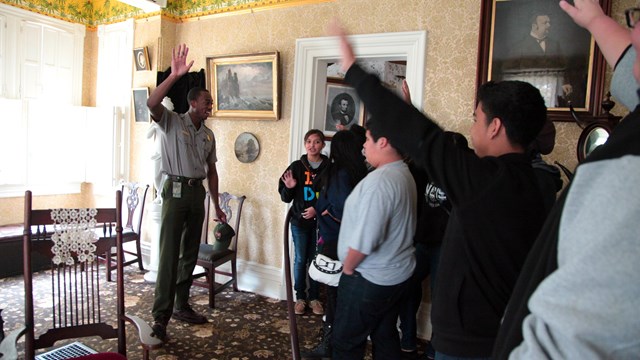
<point>342,106</point>
<point>141,59</point>
<point>247,147</point>
<point>141,111</point>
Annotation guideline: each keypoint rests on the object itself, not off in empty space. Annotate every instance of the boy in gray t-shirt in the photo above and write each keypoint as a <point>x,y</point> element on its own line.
<point>376,247</point>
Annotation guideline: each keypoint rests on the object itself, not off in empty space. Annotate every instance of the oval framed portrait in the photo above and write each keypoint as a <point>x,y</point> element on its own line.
<point>247,147</point>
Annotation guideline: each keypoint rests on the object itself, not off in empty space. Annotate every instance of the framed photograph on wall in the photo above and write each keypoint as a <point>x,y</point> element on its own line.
<point>140,109</point>
<point>245,86</point>
<point>342,106</point>
<point>141,59</point>
<point>537,42</point>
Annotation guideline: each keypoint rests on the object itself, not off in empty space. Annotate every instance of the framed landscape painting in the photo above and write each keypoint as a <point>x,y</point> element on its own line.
<point>245,86</point>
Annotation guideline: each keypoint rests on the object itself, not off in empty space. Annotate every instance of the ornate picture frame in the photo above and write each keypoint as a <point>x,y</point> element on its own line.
<point>245,87</point>
<point>141,59</point>
<point>569,71</point>
<point>341,106</point>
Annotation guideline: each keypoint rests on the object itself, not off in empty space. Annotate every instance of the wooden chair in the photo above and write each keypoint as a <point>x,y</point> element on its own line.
<point>78,308</point>
<point>134,206</point>
<point>211,259</point>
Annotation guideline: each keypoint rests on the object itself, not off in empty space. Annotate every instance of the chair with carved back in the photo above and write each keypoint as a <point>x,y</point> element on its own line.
<point>134,206</point>
<point>79,306</point>
<point>210,258</point>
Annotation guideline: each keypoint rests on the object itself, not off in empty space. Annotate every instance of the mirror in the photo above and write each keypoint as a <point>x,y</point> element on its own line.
<point>594,135</point>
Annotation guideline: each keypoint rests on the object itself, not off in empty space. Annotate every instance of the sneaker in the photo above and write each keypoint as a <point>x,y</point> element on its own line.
<point>316,307</point>
<point>300,306</point>
<point>159,330</point>
<point>190,316</point>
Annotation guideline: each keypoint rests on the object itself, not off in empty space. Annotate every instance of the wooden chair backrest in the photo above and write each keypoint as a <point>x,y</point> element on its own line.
<point>232,207</point>
<point>76,304</point>
<point>134,199</point>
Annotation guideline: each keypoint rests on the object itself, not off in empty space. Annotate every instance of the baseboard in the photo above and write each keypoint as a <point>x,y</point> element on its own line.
<point>261,279</point>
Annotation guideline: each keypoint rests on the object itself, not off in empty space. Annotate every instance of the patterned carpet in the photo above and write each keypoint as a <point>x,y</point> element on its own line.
<point>243,326</point>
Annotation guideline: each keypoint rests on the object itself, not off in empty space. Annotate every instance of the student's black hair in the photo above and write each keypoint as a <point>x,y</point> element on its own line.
<point>518,105</point>
<point>346,154</point>
<point>376,129</point>
<point>360,133</point>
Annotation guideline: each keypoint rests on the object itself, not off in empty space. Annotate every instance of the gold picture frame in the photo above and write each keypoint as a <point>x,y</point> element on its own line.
<point>505,27</point>
<point>141,59</point>
<point>245,87</point>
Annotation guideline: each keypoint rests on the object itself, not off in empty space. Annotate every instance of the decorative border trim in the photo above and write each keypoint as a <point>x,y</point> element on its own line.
<point>93,14</point>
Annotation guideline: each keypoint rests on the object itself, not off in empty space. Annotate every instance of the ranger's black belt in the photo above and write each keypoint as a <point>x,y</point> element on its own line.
<point>185,180</point>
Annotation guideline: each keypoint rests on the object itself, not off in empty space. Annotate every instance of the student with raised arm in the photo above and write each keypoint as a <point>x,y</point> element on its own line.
<point>497,204</point>
<point>579,295</point>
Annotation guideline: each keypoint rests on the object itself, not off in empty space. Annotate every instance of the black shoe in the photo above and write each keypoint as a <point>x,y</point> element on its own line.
<point>190,316</point>
<point>159,330</point>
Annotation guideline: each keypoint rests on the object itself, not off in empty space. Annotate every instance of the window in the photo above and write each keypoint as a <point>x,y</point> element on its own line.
<point>51,148</point>
<point>49,143</point>
<point>114,87</point>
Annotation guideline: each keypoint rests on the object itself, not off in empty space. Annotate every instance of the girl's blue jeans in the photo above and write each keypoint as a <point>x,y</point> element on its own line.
<point>304,243</point>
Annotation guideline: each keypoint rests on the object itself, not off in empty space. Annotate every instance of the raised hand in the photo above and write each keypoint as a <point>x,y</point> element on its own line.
<point>179,64</point>
<point>335,29</point>
<point>583,12</point>
<point>288,180</point>
<point>611,37</point>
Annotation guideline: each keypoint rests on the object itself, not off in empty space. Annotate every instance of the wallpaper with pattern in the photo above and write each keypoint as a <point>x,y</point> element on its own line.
<point>449,86</point>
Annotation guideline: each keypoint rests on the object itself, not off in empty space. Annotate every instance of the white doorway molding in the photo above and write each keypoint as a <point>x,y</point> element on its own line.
<point>314,54</point>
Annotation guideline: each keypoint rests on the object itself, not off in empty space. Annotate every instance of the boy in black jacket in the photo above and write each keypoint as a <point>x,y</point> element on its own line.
<point>578,296</point>
<point>497,206</point>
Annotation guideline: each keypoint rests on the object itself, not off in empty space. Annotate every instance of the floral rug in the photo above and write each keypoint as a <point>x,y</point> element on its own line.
<point>243,326</point>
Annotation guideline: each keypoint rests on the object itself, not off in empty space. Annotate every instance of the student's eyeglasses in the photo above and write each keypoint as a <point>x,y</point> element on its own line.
<point>633,16</point>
